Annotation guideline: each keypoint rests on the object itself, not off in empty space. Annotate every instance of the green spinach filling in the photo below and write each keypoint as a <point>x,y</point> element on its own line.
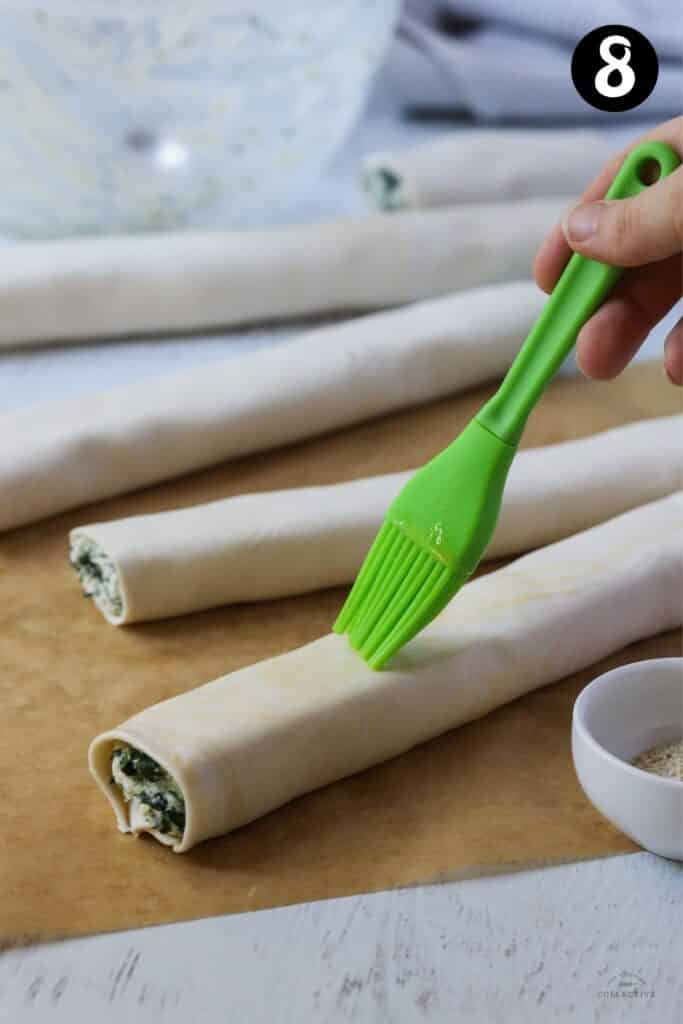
<point>154,795</point>
<point>97,573</point>
<point>385,187</point>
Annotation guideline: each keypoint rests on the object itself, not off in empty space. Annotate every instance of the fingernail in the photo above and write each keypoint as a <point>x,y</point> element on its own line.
<point>673,355</point>
<point>581,223</point>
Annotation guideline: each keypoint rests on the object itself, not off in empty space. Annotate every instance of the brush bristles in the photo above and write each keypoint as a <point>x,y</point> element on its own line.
<point>394,590</point>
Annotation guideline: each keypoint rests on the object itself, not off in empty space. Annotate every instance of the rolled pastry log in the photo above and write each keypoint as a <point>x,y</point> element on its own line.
<point>58,455</point>
<point>247,743</point>
<point>490,165</point>
<point>105,287</point>
<point>274,544</point>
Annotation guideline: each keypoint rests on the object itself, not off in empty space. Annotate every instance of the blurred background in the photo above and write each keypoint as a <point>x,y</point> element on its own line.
<point>157,114</point>
<point>154,115</point>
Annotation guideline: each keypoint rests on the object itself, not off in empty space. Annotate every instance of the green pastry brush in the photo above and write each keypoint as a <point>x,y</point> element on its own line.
<point>437,529</point>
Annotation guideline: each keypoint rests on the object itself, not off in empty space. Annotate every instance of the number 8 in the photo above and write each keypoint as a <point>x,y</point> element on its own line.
<point>627,78</point>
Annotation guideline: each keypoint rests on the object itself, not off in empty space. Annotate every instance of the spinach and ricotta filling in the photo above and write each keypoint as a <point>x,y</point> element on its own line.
<point>154,798</point>
<point>385,187</point>
<point>98,575</point>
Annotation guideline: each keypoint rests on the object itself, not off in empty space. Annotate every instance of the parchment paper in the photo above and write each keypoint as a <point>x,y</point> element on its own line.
<point>496,794</point>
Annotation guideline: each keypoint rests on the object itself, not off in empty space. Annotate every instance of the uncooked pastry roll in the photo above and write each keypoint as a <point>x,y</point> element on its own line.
<point>217,757</point>
<point>273,544</point>
<point>106,287</point>
<point>495,165</point>
<point>58,455</point>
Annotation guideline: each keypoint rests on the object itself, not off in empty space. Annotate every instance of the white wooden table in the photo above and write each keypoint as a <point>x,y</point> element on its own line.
<point>598,941</point>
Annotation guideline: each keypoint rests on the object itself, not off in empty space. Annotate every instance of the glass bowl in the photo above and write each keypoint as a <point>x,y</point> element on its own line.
<point>147,115</point>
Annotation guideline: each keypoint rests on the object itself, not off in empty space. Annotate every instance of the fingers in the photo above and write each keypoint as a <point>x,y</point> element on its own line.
<point>673,354</point>
<point>630,232</point>
<point>644,233</point>
<point>554,252</point>
<point>613,335</point>
<point>551,259</point>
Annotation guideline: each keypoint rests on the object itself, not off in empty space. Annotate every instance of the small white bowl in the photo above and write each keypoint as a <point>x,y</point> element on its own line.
<point>618,716</point>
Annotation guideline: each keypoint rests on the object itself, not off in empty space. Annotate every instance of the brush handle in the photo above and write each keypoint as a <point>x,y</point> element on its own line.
<point>581,289</point>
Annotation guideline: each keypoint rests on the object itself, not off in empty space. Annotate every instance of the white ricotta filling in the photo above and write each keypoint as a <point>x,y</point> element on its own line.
<point>98,575</point>
<point>154,800</point>
<point>385,187</point>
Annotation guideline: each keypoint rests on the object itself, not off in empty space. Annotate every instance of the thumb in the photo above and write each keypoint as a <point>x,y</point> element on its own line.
<point>630,232</point>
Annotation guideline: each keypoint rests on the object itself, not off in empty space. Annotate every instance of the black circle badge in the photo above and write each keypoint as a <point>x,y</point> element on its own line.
<point>614,68</point>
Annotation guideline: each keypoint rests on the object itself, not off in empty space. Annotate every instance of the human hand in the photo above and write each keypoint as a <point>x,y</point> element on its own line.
<point>644,234</point>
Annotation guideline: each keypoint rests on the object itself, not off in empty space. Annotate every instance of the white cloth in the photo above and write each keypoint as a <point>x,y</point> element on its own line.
<point>273,544</point>
<point>485,164</point>
<point>243,745</point>
<point>62,454</point>
<point>116,286</point>
<point>659,20</point>
<point>512,60</point>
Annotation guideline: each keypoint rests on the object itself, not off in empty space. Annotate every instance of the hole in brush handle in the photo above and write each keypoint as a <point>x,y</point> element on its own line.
<point>649,171</point>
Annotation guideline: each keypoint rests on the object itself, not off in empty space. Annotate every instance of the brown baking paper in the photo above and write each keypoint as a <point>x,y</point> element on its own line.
<point>496,793</point>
